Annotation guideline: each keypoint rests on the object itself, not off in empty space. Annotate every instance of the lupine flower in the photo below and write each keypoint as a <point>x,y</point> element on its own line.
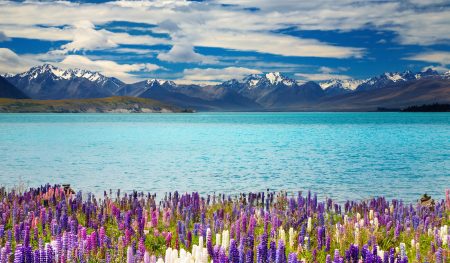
<point>117,229</point>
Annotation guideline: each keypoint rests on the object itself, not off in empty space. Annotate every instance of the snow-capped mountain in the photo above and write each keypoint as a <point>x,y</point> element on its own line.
<point>50,82</point>
<point>268,91</point>
<point>269,79</point>
<point>393,78</point>
<point>340,86</point>
<point>136,89</point>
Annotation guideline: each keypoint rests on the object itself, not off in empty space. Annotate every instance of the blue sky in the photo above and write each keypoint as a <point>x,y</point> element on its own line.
<point>213,41</point>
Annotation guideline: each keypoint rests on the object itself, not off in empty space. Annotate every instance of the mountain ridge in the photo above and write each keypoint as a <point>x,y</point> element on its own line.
<point>268,91</point>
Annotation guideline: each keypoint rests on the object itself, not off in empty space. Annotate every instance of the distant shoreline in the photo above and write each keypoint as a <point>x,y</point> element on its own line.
<point>98,105</point>
<point>125,104</point>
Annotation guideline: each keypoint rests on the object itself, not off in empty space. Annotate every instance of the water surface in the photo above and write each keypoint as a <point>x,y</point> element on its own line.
<point>341,155</point>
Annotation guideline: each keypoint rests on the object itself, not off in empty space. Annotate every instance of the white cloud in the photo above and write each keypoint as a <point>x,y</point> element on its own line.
<point>108,67</point>
<point>86,37</point>
<point>440,57</point>
<point>212,24</point>
<point>10,62</point>
<point>203,25</point>
<point>436,68</point>
<point>320,76</point>
<point>273,44</point>
<point>184,52</point>
<point>215,75</point>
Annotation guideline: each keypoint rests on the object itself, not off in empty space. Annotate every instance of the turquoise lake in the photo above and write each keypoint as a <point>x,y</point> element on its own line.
<point>340,155</point>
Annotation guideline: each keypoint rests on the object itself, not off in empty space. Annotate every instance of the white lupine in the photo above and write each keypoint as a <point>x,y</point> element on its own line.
<point>174,257</point>
<point>430,231</point>
<point>218,239</point>
<point>413,244</point>
<point>391,209</point>
<point>358,216</point>
<point>292,234</point>
<point>356,234</point>
<point>345,219</point>
<point>306,242</point>
<point>337,232</point>
<point>282,234</point>
<point>204,255</point>
<point>361,223</point>
<point>168,255</point>
<point>370,214</point>
<point>225,239</point>
<point>309,226</point>
<point>160,260</point>
<point>376,223</point>
<point>380,252</point>
<point>182,254</point>
<point>443,232</point>
<point>200,242</point>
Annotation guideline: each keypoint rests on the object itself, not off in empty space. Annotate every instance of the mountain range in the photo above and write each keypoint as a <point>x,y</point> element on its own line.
<point>264,92</point>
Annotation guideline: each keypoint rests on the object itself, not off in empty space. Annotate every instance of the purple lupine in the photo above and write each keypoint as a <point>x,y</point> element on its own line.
<point>271,257</point>
<point>281,253</point>
<point>439,257</point>
<point>222,256</point>
<point>327,243</point>
<point>233,252</point>
<point>36,256</point>
<point>18,254</point>
<point>292,258</point>
<point>241,251</point>
<point>209,244</point>
<point>337,256</point>
<point>249,256</point>
<point>49,253</point>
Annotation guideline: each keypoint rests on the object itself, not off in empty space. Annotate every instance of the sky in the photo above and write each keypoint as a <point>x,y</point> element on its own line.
<point>217,40</point>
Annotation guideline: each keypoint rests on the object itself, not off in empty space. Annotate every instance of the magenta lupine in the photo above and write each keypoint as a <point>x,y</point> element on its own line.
<point>130,256</point>
<point>146,257</point>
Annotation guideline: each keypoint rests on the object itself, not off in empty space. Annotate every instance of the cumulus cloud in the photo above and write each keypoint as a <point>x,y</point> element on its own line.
<point>205,25</point>
<point>108,67</point>
<point>215,75</point>
<point>184,52</point>
<point>441,57</point>
<point>440,69</point>
<point>10,62</point>
<point>86,37</point>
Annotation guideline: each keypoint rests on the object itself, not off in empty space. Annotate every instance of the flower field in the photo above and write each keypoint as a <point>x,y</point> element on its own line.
<point>47,224</point>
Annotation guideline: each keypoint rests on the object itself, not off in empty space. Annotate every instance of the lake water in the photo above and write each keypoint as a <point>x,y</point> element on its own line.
<point>340,155</point>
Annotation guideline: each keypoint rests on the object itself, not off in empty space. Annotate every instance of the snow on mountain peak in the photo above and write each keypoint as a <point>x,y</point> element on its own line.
<point>394,76</point>
<point>274,77</point>
<point>150,82</point>
<point>58,73</point>
<point>348,84</point>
